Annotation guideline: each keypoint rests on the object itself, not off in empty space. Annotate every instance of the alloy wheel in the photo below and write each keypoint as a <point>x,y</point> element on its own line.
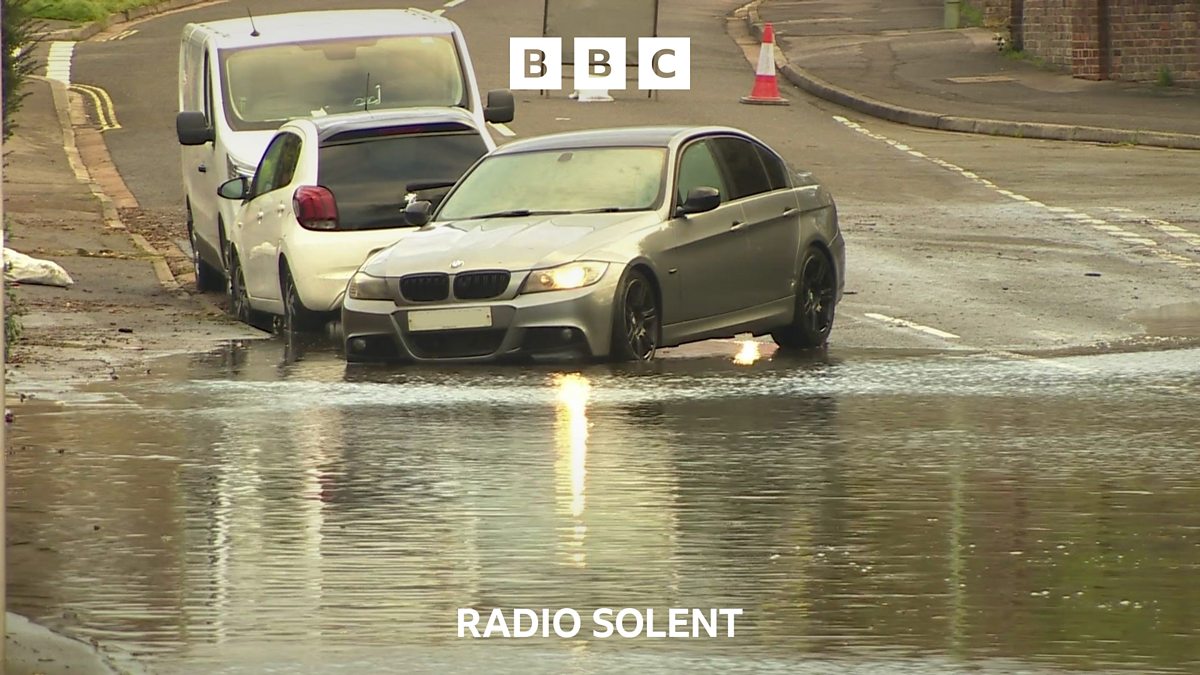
<point>641,319</point>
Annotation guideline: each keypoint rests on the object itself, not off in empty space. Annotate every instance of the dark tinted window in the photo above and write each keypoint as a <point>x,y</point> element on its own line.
<point>777,171</point>
<point>698,168</point>
<point>369,177</point>
<point>746,173</point>
<point>277,165</point>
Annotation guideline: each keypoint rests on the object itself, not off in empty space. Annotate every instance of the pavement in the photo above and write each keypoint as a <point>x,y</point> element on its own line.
<point>892,59</point>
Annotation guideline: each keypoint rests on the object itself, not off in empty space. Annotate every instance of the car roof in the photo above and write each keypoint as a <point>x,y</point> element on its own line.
<point>331,125</point>
<point>325,25</point>
<point>653,136</point>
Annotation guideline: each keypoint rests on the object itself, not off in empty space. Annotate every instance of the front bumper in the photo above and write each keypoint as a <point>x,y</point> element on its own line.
<point>554,324</point>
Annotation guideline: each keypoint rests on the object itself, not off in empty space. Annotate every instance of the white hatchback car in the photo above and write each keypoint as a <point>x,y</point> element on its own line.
<point>327,192</point>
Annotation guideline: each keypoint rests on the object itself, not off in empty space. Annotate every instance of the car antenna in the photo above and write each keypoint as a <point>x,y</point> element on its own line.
<point>253,29</point>
<point>367,95</point>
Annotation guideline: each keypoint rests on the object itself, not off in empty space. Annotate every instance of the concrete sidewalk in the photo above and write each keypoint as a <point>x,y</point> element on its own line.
<point>891,59</point>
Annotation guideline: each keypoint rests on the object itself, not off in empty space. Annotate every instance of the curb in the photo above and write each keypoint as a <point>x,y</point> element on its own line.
<point>112,218</point>
<point>972,125</point>
<point>87,30</point>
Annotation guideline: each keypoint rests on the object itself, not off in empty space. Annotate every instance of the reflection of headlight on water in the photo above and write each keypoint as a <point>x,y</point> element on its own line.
<point>748,354</point>
<point>573,390</point>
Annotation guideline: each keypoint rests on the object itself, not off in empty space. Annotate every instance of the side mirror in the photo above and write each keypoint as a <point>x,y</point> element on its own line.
<point>699,200</point>
<point>235,188</point>
<point>501,107</point>
<point>192,128</point>
<point>417,213</point>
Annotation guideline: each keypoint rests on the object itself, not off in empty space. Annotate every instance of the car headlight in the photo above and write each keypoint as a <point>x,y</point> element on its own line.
<point>565,277</point>
<point>363,286</point>
<point>237,169</point>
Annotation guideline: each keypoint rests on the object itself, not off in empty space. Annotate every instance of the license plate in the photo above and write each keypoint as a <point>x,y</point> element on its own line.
<point>450,319</point>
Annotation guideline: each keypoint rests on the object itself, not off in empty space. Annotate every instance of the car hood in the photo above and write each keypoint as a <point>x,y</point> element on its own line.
<point>506,243</point>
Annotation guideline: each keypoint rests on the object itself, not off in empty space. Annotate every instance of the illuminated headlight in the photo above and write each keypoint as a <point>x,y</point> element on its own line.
<point>236,168</point>
<point>363,286</point>
<point>565,277</point>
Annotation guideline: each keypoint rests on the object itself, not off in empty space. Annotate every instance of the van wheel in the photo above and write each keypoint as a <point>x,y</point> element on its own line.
<point>207,276</point>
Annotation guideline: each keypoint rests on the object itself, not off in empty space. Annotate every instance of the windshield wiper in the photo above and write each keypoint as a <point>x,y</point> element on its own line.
<point>515,213</point>
<point>611,209</point>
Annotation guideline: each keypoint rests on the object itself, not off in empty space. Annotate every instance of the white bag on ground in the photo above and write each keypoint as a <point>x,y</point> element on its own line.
<point>22,269</point>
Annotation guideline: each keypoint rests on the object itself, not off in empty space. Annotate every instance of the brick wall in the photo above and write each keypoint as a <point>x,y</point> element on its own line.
<point>1146,35</point>
<point>1104,39</point>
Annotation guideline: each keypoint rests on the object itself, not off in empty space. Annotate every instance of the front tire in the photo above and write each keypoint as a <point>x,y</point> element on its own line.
<point>208,278</point>
<point>636,319</point>
<point>816,297</point>
<point>239,298</point>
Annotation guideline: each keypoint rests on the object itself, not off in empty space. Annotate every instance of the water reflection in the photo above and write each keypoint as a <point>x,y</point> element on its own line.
<point>925,513</point>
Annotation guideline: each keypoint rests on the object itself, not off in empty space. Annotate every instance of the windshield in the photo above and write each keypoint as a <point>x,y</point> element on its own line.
<point>560,181</point>
<point>369,177</point>
<point>265,86</point>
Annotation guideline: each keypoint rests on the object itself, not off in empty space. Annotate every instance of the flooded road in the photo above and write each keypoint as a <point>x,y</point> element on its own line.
<point>867,511</point>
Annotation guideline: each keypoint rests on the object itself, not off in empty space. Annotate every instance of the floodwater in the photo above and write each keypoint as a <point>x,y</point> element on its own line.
<point>236,512</point>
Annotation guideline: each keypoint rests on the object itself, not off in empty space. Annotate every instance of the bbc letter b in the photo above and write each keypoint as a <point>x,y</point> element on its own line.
<point>535,63</point>
<point>600,63</point>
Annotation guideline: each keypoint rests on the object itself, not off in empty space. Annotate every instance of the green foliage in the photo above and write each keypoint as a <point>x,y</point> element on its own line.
<point>82,10</point>
<point>971,16</point>
<point>12,318</point>
<point>17,36</point>
<point>1165,77</point>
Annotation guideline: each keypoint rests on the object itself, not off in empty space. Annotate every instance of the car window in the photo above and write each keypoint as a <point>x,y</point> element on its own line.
<point>266,85</point>
<point>777,171</point>
<point>289,157</point>
<point>698,168</point>
<point>561,180</point>
<point>369,175</point>
<point>745,169</point>
<point>267,173</point>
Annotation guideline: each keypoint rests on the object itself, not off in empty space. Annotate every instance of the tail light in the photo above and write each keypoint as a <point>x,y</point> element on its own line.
<point>315,208</point>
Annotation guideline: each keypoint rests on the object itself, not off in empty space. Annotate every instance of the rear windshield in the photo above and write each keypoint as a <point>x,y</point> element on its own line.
<point>265,86</point>
<point>369,177</point>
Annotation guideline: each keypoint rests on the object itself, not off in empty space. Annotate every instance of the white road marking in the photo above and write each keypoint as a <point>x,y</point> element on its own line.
<point>58,61</point>
<point>119,36</point>
<point>503,129</point>
<point>1065,212</point>
<point>904,323</point>
<point>439,12</point>
<point>453,3</point>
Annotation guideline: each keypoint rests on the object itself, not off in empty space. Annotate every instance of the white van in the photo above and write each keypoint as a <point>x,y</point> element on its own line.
<point>240,79</point>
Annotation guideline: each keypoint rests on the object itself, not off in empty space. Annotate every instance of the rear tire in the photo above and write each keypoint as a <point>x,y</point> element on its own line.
<point>208,278</point>
<point>816,298</point>
<point>636,319</point>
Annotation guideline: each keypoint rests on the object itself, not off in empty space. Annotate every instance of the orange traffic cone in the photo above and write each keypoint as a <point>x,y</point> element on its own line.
<point>766,87</point>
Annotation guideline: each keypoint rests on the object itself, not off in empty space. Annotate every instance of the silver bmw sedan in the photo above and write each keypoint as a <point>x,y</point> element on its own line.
<point>607,244</point>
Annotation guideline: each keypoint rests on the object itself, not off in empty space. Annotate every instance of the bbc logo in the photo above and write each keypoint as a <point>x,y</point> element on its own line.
<point>537,63</point>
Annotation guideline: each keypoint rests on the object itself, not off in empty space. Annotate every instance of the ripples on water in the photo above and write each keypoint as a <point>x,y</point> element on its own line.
<point>910,514</point>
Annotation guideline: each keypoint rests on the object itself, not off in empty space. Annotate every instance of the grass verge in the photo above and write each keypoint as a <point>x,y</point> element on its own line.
<point>81,10</point>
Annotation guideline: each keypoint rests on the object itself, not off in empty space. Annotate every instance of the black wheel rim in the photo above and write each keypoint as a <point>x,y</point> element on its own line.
<point>641,320</point>
<point>817,299</point>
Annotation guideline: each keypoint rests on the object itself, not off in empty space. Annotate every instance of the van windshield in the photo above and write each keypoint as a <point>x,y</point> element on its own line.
<point>266,86</point>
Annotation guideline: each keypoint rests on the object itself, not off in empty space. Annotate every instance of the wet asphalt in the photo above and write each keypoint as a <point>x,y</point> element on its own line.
<point>260,510</point>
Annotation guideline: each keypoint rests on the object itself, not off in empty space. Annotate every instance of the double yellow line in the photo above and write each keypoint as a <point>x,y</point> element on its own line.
<point>106,112</point>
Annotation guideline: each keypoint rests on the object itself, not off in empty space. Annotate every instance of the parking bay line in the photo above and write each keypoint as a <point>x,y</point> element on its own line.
<point>904,323</point>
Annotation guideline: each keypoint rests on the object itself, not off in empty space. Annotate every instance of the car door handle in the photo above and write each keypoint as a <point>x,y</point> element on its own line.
<point>202,169</point>
<point>260,215</point>
<point>280,209</point>
<point>788,213</point>
<point>737,225</point>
